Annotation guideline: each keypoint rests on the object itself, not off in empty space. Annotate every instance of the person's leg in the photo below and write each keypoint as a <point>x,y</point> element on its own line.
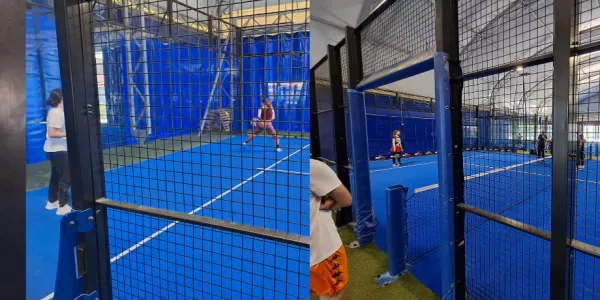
<point>271,130</point>
<point>53,185</point>
<point>399,157</point>
<point>393,155</point>
<point>257,130</point>
<point>64,185</point>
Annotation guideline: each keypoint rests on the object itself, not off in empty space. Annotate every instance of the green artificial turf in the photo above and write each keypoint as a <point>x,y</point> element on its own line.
<point>368,261</point>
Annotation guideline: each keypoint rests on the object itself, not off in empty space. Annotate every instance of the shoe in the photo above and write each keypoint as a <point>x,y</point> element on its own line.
<point>278,149</point>
<point>51,205</point>
<point>63,210</point>
<point>245,144</point>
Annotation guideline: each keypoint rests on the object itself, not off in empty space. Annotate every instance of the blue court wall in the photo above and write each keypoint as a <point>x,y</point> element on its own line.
<point>414,118</point>
<point>42,56</point>
<point>275,66</point>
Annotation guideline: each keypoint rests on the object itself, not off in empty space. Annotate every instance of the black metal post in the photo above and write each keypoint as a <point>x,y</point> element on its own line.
<point>355,74</point>
<point>564,124</point>
<point>447,41</point>
<point>240,56</point>
<point>13,132</point>
<point>339,126</point>
<point>477,144</point>
<point>82,120</point>
<point>315,142</point>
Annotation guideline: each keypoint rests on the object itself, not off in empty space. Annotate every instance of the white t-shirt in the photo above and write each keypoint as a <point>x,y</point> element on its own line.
<point>324,238</point>
<point>55,119</point>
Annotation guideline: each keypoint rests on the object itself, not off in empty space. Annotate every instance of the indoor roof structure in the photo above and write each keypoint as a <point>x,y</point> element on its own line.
<point>492,33</point>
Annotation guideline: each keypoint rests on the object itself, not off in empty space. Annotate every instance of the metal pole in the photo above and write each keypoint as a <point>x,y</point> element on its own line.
<point>450,146</point>
<point>564,122</point>
<point>130,91</point>
<point>315,142</point>
<point>146,80</point>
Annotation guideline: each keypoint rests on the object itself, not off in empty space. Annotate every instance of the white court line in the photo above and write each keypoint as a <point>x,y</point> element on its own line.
<point>284,171</point>
<point>433,186</point>
<point>142,242</point>
<point>427,163</point>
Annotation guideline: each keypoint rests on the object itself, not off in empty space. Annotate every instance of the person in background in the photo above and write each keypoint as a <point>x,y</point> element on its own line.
<point>580,152</point>
<point>56,151</point>
<point>396,148</point>
<point>266,115</point>
<point>541,145</point>
<point>328,260</point>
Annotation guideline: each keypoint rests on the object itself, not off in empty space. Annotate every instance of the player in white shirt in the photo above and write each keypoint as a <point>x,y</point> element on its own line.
<point>56,151</point>
<point>328,260</point>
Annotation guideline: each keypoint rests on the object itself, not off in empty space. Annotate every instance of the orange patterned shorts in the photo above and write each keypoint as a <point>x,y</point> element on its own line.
<point>331,275</point>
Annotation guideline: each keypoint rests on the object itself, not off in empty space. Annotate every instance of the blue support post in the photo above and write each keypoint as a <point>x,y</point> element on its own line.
<point>397,234</point>
<point>68,282</point>
<point>365,221</point>
<point>445,172</point>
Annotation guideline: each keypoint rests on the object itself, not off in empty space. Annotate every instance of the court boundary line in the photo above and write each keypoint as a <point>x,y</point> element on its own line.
<point>284,171</point>
<point>498,170</point>
<point>170,225</point>
<point>421,164</point>
<point>161,156</point>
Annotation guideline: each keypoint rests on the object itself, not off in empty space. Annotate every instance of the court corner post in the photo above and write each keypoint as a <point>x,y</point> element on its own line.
<point>445,173</point>
<point>366,223</point>
<point>397,234</point>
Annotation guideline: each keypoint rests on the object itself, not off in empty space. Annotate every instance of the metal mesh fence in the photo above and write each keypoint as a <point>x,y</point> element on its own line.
<point>192,261</point>
<point>344,61</point>
<point>401,31</point>
<point>206,115</point>
<point>507,135</point>
<point>584,128</point>
<point>499,33</point>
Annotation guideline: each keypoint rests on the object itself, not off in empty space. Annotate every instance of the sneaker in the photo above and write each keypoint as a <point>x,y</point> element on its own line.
<point>244,143</point>
<point>63,210</point>
<point>51,205</point>
<point>278,149</point>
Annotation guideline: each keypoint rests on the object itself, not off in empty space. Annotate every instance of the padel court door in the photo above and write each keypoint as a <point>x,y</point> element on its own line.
<point>177,193</point>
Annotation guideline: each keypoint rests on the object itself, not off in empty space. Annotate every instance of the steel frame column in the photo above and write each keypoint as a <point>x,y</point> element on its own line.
<point>564,132</point>
<point>446,28</point>
<point>355,75</point>
<point>339,115</point>
<point>82,119</point>
<point>315,141</point>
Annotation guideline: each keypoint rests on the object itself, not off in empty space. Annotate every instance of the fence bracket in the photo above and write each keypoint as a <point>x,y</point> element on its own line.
<point>72,261</point>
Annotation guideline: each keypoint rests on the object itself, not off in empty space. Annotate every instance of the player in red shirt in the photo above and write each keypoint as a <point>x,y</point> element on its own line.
<point>266,115</point>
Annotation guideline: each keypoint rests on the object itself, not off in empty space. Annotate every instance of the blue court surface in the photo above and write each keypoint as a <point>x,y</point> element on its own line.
<point>502,263</point>
<point>161,259</point>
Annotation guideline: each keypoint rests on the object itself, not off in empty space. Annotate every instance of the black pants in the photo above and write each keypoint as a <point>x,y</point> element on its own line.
<point>580,158</point>
<point>540,152</point>
<point>60,180</point>
<point>394,154</point>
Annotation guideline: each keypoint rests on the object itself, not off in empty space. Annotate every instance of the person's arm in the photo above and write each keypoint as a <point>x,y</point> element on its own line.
<point>341,198</point>
<point>55,133</point>
<point>259,113</point>
<point>55,121</point>
<point>272,114</point>
<point>325,184</point>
